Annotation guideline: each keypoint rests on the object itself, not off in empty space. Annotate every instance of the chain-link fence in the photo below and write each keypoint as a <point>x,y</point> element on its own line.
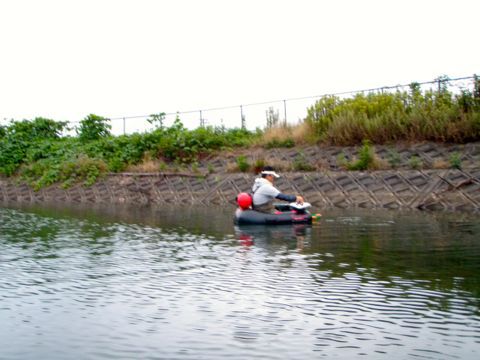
<point>258,115</point>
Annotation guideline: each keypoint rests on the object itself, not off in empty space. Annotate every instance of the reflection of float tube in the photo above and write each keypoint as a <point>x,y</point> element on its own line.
<point>267,236</point>
<point>246,240</point>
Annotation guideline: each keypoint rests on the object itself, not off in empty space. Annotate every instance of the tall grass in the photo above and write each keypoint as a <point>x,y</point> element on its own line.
<point>433,115</point>
<point>286,136</point>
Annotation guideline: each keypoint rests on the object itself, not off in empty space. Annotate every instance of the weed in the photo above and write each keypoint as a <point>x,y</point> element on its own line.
<point>210,168</point>
<point>365,158</point>
<point>258,165</point>
<point>93,127</point>
<point>242,163</point>
<point>194,167</point>
<point>415,162</point>
<point>342,160</point>
<point>394,159</point>
<point>280,143</point>
<point>277,137</point>
<point>146,166</point>
<point>162,166</point>
<point>455,161</point>
<point>301,163</point>
<point>157,120</point>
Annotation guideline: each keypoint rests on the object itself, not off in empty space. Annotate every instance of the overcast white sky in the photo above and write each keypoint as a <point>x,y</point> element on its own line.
<point>64,59</point>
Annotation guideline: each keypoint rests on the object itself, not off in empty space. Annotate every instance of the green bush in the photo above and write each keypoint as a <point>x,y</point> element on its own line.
<point>455,161</point>
<point>242,163</point>
<point>36,151</point>
<point>433,115</point>
<point>157,120</point>
<point>19,136</point>
<point>415,162</point>
<point>394,158</point>
<point>365,158</point>
<point>39,128</point>
<point>93,127</point>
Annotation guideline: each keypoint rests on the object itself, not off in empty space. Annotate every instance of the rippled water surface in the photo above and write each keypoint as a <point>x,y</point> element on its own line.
<point>186,284</point>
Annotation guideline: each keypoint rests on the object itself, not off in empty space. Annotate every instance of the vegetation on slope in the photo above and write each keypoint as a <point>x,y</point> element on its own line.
<point>37,152</point>
<point>433,115</point>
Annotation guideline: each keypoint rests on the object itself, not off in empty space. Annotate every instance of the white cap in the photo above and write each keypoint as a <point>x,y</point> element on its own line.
<point>267,172</point>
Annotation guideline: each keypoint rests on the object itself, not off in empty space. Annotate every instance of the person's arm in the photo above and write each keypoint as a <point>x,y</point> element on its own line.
<point>290,198</point>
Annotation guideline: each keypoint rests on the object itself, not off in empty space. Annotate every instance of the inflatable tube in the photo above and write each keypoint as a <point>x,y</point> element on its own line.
<point>253,217</point>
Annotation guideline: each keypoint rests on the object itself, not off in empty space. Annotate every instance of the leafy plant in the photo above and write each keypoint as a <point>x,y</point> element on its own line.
<point>342,160</point>
<point>365,157</point>
<point>39,128</point>
<point>157,120</point>
<point>415,162</point>
<point>93,127</point>
<point>394,158</point>
<point>242,163</point>
<point>455,161</point>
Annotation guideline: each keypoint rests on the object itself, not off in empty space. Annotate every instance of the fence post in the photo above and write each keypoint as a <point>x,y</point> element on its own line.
<point>124,133</point>
<point>201,119</point>
<point>285,110</point>
<point>242,117</point>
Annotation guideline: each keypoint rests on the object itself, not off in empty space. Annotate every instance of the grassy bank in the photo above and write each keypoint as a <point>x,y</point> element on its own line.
<point>37,152</point>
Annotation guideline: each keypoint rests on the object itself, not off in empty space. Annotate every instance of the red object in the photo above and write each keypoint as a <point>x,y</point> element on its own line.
<point>244,200</point>
<point>246,240</point>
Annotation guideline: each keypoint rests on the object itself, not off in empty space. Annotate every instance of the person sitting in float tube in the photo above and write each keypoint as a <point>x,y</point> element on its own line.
<point>264,193</point>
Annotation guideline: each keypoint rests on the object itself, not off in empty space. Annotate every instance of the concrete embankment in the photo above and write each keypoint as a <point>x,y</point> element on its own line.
<point>428,189</point>
<point>403,188</point>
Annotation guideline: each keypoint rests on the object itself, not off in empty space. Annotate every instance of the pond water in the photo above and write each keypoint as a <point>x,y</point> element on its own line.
<point>184,283</point>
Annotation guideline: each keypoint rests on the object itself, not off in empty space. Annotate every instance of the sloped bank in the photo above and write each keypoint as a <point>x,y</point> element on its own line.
<point>327,186</point>
<point>453,190</point>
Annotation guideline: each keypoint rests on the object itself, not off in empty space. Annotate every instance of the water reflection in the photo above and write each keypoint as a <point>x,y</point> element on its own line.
<point>292,236</point>
<point>185,283</point>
